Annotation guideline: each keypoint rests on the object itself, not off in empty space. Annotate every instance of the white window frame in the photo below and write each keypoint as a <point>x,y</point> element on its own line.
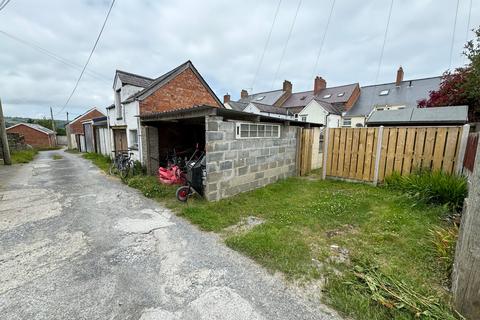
<point>259,133</point>
<point>118,105</point>
<point>345,121</point>
<point>134,143</point>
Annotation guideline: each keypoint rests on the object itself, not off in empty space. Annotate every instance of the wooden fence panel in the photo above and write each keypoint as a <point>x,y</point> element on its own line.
<point>352,152</point>
<point>471,151</point>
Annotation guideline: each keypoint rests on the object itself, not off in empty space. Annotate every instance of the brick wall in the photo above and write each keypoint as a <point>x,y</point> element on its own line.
<point>76,126</point>
<point>33,137</point>
<point>238,165</point>
<point>183,91</point>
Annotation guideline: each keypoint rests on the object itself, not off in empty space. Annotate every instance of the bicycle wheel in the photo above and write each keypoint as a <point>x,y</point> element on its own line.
<point>125,170</point>
<point>113,170</point>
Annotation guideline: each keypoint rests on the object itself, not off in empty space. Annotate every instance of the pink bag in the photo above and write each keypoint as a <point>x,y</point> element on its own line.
<point>171,175</point>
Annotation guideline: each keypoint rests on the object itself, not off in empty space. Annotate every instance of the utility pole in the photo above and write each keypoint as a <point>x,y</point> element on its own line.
<point>67,116</point>
<point>53,121</point>
<point>67,132</point>
<point>3,138</point>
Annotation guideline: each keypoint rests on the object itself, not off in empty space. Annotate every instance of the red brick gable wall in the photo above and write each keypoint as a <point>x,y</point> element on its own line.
<point>33,137</point>
<point>77,127</point>
<point>184,91</point>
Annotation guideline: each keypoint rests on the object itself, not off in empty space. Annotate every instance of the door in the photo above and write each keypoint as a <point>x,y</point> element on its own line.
<point>89,143</point>
<point>120,140</point>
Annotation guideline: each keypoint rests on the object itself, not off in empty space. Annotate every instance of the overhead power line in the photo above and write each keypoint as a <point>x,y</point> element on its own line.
<point>89,57</point>
<point>380,60</point>
<point>453,35</point>
<point>266,45</point>
<point>3,4</point>
<point>322,42</point>
<point>286,43</point>
<point>54,55</point>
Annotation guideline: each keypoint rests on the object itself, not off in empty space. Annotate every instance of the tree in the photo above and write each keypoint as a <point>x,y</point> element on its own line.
<point>461,86</point>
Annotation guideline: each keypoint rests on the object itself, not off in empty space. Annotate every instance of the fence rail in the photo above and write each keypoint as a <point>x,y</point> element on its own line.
<point>371,154</point>
<point>471,151</point>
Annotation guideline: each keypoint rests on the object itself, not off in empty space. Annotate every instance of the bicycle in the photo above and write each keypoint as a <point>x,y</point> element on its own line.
<point>122,164</point>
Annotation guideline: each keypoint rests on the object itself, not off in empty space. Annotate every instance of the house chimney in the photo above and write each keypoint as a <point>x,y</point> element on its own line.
<point>319,85</point>
<point>243,93</point>
<point>287,86</point>
<point>399,77</point>
<point>226,98</point>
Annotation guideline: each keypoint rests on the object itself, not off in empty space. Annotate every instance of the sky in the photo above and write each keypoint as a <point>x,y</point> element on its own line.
<point>43,45</point>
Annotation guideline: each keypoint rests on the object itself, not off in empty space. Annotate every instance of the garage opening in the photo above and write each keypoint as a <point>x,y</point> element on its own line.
<point>177,141</point>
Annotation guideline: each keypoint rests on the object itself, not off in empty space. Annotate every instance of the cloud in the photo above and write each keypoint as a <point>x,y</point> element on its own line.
<point>224,39</point>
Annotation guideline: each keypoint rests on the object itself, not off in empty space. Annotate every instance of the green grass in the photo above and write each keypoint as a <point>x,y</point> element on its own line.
<point>57,157</point>
<point>305,217</point>
<point>101,161</point>
<point>379,227</point>
<point>73,151</point>
<point>23,156</point>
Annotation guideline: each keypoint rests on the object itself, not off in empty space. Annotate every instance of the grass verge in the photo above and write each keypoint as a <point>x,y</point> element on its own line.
<point>57,157</point>
<point>306,221</point>
<point>23,156</point>
<point>101,161</point>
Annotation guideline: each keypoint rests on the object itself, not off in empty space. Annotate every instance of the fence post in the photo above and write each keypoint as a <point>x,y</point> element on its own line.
<point>325,152</point>
<point>462,149</point>
<point>377,155</point>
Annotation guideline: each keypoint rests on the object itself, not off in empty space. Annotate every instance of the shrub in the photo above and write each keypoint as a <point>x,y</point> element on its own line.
<point>433,187</point>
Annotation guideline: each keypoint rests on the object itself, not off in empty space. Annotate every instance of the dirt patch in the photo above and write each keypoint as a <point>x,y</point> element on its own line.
<point>339,255</point>
<point>245,225</point>
<point>345,229</point>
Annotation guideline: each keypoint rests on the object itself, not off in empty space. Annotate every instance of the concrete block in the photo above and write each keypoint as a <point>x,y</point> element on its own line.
<point>214,176</point>
<point>212,167</point>
<point>239,163</point>
<point>214,136</point>
<point>212,126</point>
<point>221,146</point>
<point>259,175</point>
<point>236,145</point>
<point>230,155</point>
<point>214,156</point>
<point>254,168</point>
<point>242,171</point>
<point>225,165</point>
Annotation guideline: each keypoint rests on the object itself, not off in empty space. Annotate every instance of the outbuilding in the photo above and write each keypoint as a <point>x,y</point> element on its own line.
<point>244,151</point>
<point>34,134</point>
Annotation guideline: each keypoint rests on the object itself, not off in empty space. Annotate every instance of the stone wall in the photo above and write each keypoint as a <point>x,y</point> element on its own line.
<point>466,275</point>
<point>238,165</point>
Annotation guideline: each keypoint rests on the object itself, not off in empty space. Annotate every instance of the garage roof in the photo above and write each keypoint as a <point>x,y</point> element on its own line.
<point>205,110</point>
<point>439,115</point>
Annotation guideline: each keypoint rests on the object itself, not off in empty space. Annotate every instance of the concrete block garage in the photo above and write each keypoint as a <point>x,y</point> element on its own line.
<point>244,151</point>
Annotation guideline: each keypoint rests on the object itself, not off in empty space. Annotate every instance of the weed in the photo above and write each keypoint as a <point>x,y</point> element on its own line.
<point>23,156</point>
<point>101,161</point>
<point>433,187</point>
<point>57,157</point>
<point>149,186</point>
<point>444,240</point>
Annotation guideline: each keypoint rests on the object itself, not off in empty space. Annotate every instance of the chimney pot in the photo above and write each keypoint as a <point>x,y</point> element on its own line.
<point>319,85</point>
<point>243,93</point>
<point>399,79</point>
<point>287,86</point>
<point>226,98</point>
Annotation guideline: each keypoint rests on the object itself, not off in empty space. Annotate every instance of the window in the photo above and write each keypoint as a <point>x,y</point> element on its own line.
<point>384,92</point>
<point>304,118</point>
<point>260,98</point>
<point>296,115</point>
<point>341,94</point>
<point>327,96</point>
<point>347,123</point>
<point>133,139</point>
<point>253,130</point>
<point>118,105</point>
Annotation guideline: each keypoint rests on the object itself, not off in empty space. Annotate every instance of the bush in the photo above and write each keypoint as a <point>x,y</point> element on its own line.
<point>149,186</point>
<point>433,187</point>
